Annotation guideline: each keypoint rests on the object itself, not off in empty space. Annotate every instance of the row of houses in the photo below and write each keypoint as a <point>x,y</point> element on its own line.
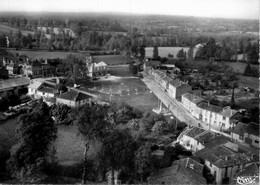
<point>167,78</point>
<point>223,119</point>
<point>220,154</point>
<point>36,69</point>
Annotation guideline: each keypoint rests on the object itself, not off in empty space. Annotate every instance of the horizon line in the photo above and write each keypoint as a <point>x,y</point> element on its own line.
<point>122,13</point>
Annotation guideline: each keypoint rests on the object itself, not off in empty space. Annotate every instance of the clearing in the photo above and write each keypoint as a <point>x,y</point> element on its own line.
<point>7,29</point>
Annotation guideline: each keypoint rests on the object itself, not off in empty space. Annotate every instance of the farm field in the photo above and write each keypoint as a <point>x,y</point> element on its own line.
<point>112,59</point>
<point>42,54</point>
<point>7,29</point>
<point>164,51</point>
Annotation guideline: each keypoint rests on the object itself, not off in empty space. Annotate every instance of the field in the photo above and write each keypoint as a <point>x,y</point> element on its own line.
<point>164,51</point>
<point>112,59</point>
<point>7,29</point>
<point>41,54</point>
<point>248,81</point>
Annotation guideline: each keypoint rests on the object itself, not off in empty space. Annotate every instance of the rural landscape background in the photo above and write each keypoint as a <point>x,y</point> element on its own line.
<point>218,57</point>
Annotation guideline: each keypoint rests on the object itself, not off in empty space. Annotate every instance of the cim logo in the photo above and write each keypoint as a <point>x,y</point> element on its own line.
<point>246,180</point>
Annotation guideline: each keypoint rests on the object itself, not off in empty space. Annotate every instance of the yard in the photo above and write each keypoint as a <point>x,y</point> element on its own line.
<point>42,54</point>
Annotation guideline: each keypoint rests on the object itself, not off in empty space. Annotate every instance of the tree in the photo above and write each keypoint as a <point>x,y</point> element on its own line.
<point>75,67</point>
<point>248,71</point>
<point>118,151</point>
<point>35,133</point>
<point>93,125</point>
<point>155,52</point>
<point>190,53</point>
<point>142,52</point>
<point>143,160</point>
<point>133,68</point>
<point>181,54</point>
<point>61,113</point>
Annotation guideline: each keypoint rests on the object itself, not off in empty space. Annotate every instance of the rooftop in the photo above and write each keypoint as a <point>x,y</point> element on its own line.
<point>252,128</point>
<point>193,98</point>
<point>35,84</point>
<point>251,170</point>
<point>240,128</point>
<point>73,95</point>
<point>194,132</point>
<point>222,156</point>
<point>13,82</point>
<point>205,138</point>
<point>209,107</point>
<point>152,63</point>
<point>184,171</point>
<point>216,141</point>
<point>47,89</point>
<point>228,112</point>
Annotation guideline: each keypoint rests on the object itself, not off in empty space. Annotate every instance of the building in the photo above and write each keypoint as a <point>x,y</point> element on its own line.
<point>183,171</point>
<point>251,135</point>
<point>16,86</point>
<point>223,162</point>
<point>74,98</point>
<point>37,69</point>
<point>238,132</point>
<point>177,88</point>
<point>148,65</point>
<point>158,76</point>
<point>190,102</point>
<point>33,87</point>
<point>97,69</point>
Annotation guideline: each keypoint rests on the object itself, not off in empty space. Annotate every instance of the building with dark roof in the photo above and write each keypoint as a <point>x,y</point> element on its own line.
<point>223,162</point>
<point>190,102</point>
<point>74,98</point>
<point>177,88</point>
<point>183,171</point>
<point>15,86</point>
<point>251,135</point>
<point>148,65</point>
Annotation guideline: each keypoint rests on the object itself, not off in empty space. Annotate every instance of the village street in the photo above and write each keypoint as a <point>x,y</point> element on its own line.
<point>172,104</point>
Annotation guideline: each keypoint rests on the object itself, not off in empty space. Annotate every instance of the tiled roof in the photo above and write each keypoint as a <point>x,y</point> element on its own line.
<point>216,141</point>
<point>47,89</point>
<point>73,95</point>
<point>210,107</point>
<point>35,85</point>
<point>205,138</point>
<point>228,112</point>
<point>152,63</point>
<point>14,82</point>
<point>179,173</point>
<point>240,128</point>
<point>194,132</point>
<point>193,98</point>
<point>175,83</point>
<point>221,156</point>
<point>252,128</point>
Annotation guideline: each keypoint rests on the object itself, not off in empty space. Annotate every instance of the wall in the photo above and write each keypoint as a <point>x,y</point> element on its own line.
<point>66,102</point>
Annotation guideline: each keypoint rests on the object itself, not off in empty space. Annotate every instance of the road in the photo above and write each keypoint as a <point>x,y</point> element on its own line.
<point>172,104</point>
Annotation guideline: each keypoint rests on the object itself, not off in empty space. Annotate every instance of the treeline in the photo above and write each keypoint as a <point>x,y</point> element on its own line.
<point>226,51</point>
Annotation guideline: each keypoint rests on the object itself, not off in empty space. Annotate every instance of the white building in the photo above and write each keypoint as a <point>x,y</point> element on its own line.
<point>97,69</point>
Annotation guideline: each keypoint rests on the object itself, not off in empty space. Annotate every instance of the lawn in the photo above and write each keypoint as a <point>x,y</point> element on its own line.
<point>112,59</point>
<point>42,54</point>
<point>248,81</point>
<point>164,51</point>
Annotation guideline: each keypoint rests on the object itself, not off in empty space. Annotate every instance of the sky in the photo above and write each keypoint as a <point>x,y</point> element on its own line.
<point>248,9</point>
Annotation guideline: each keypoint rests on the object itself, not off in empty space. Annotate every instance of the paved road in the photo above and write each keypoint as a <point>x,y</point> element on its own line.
<point>174,105</point>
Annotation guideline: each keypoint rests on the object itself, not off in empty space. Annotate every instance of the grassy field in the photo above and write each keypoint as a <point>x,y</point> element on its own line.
<point>112,59</point>
<point>7,29</point>
<point>247,81</point>
<point>164,51</point>
<point>42,54</point>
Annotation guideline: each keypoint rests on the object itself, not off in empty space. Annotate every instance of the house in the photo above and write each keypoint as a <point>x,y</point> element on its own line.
<point>190,102</point>
<point>116,175</point>
<point>228,117</point>
<point>16,86</point>
<point>209,114</point>
<point>177,88</point>
<point>148,65</point>
<point>14,68</point>
<point>251,135</point>
<point>223,162</point>
<point>97,69</point>
<point>183,171</point>
<point>250,175</point>
<point>74,98</point>
<point>165,82</point>
<point>158,76</point>
<point>33,87</point>
<point>37,69</point>
<point>238,132</point>
<point>45,91</point>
